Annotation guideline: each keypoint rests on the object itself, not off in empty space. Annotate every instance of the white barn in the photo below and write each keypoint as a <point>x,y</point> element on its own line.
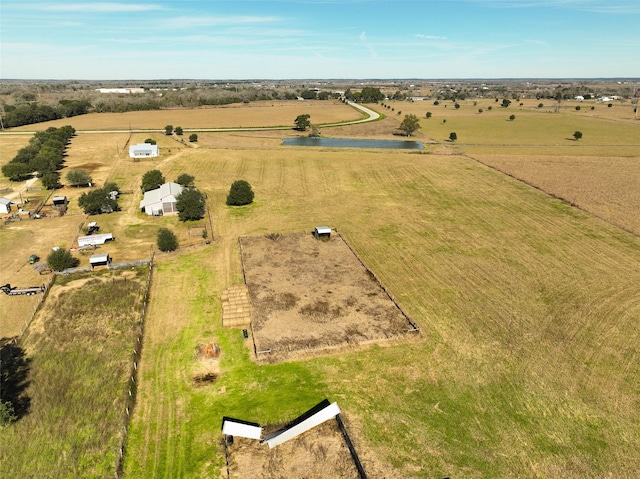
<point>5,205</point>
<point>143,150</point>
<point>161,201</point>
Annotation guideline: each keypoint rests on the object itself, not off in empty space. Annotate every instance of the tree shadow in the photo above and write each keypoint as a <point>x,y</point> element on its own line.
<point>14,372</point>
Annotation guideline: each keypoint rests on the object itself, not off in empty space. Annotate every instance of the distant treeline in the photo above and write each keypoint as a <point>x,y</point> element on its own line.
<point>34,112</point>
<point>43,154</point>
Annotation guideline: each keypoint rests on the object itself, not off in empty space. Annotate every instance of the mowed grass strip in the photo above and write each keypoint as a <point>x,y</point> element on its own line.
<point>528,307</point>
<point>78,354</point>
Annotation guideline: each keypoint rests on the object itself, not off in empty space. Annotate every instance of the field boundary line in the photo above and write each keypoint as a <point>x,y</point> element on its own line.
<point>553,195</point>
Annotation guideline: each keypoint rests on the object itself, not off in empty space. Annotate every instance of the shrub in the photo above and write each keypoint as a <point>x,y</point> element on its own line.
<point>578,108</point>
<point>150,141</point>
<point>61,259</point>
<point>179,130</point>
<point>428,115</point>
<point>166,240</point>
<point>577,135</point>
<point>185,179</point>
<point>168,130</point>
<point>512,117</point>
<point>193,138</point>
<point>240,193</point>
<point>453,136</point>
<point>78,177</point>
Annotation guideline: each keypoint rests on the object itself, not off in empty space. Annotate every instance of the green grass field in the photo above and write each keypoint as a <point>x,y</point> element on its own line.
<point>78,358</point>
<point>527,307</point>
<point>527,363</point>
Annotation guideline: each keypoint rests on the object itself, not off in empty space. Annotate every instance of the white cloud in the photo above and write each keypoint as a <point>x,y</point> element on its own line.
<point>429,37</point>
<point>212,21</point>
<point>102,7</point>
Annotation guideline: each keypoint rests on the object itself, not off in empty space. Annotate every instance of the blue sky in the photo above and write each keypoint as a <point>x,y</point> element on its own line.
<point>317,39</point>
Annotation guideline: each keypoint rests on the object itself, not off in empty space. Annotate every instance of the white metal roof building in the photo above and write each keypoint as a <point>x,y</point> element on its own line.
<point>99,260</point>
<point>5,205</point>
<point>161,201</point>
<point>143,150</point>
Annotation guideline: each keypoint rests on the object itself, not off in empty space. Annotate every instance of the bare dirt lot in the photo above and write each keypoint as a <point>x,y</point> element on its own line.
<point>313,294</point>
<point>318,453</point>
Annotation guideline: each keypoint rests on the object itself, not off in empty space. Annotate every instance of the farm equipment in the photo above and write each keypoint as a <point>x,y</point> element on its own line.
<point>33,259</point>
<point>16,291</point>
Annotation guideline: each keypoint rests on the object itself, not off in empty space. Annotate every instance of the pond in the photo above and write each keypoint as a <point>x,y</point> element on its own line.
<point>352,143</point>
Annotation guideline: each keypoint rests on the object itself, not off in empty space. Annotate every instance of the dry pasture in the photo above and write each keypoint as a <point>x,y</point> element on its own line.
<point>318,453</point>
<point>310,295</point>
<point>258,114</point>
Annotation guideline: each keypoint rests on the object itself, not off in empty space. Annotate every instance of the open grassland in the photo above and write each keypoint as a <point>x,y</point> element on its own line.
<point>259,114</point>
<point>527,307</point>
<point>77,358</point>
<point>528,361</point>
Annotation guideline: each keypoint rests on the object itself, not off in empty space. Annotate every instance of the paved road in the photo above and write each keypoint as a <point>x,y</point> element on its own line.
<point>372,116</point>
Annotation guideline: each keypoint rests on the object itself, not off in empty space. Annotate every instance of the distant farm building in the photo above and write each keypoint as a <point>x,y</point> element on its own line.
<point>161,201</point>
<point>60,202</point>
<point>5,205</point>
<point>143,150</point>
<point>120,90</point>
<point>99,260</point>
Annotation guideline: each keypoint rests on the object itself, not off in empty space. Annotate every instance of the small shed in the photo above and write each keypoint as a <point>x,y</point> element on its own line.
<point>322,232</point>
<point>5,205</point>
<point>143,150</point>
<point>99,260</point>
<point>60,202</point>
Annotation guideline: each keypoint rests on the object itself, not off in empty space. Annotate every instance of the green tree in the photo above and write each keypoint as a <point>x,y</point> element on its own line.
<point>453,136</point>
<point>61,259</point>
<point>150,141</point>
<point>190,205</point>
<point>78,177</point>
<point>185,179</point>
<point>151,180</point>
<point>410,124</point>
<point>98,201</point>
<point>178,130</point>
<point>240,193</point>
<point>166,240</point>
<point>577,135</point>
<point>512,117</point>
<point>168,130</point>
<point>193,138</point>
<point>457,106</point>
<point>428,115</point>
<point>51,180</point>
<point>16,171</point>
<point>302,122</point>
<point>505,103</point>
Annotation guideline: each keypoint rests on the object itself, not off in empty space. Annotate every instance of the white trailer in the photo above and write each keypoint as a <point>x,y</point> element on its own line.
<point>94,240</point>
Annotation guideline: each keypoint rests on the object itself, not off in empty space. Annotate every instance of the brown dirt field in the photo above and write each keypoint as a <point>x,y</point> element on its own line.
<point>276,113</point>
<point>318,453</point>
<point>313,295</point>
<point>608,188</point>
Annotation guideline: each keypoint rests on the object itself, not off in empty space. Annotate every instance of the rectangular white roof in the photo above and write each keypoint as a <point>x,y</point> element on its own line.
<point>241,429</point>
<point>99,258</point>
<point>331,411</point>
<point>323,230</point>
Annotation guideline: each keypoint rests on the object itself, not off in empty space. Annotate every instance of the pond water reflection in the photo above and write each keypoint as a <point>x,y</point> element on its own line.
<point>352,143</point>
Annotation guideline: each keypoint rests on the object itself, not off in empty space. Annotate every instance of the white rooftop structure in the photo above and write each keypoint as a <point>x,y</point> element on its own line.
<point>234,427</point>
<point>161,200</point>
<point>143,150</point>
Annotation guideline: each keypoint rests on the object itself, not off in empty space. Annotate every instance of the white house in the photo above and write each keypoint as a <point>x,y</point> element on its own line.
<point>5,205</point>
<point>161,201</point>
<point>143,150</point>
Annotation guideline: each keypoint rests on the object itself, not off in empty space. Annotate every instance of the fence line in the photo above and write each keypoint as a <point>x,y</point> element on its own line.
<point>131,394</point>
<point>36,308</point>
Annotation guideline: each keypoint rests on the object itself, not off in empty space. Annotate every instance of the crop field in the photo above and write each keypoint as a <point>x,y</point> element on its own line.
<point>72,370</point>
<point>527,362</point>
<point>259,114</point>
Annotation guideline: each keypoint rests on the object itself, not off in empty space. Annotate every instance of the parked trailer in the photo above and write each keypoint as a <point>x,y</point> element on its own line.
<point>15,291</point>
